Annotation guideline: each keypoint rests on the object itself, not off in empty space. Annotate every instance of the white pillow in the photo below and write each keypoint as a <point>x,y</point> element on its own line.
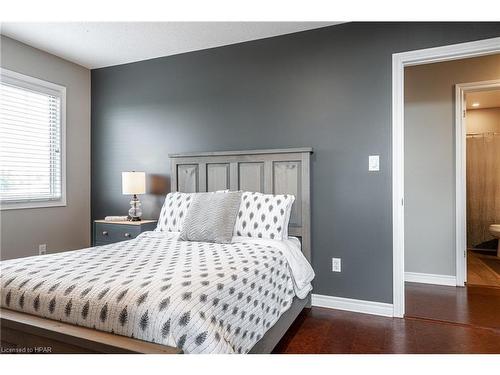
<point>264,215</point>
<point>211,217</point>
<point>174,212</point>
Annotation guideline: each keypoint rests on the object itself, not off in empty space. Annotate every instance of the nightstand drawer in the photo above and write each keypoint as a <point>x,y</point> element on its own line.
<point>109,233</point>
<point>106,232</point>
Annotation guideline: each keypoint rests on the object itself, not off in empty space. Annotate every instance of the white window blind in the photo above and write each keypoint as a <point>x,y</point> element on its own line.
<point>31,157</point>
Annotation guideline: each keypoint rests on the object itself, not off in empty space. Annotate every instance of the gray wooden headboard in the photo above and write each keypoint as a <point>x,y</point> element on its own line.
<point>275,171</point>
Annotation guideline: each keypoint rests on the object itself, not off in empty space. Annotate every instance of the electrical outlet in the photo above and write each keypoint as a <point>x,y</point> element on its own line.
<point>336,265</point>
<point>42,249</point>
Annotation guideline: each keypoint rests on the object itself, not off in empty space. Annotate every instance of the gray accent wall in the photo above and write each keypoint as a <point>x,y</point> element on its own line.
<point>60,228</point>
<point>329,89</point>
<point>430,159</point>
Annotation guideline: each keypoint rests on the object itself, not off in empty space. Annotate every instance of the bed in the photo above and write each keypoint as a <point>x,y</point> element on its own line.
<point>197,297</point>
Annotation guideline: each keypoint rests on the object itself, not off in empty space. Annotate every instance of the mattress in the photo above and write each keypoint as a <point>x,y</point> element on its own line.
<point>200,297</point>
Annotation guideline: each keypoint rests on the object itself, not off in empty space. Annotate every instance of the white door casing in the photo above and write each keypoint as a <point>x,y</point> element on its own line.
<point>399,62</point>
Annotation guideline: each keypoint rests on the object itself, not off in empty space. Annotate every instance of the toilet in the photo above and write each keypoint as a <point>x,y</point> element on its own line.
<point>495,232</point>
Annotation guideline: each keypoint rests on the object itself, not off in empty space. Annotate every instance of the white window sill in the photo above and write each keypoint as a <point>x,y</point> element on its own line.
<point>28,205</point>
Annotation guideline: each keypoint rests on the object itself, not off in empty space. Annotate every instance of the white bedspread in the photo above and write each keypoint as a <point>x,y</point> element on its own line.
<point>201,297</point>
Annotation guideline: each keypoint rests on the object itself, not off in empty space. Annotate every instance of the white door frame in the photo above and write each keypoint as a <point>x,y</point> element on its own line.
<point>461,172</point>
<point>399,62</point>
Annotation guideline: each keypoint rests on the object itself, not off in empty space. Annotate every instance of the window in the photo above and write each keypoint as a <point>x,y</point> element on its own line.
<point>32,149</point>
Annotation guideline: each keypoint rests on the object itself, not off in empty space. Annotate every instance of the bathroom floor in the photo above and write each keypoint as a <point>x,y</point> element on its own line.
<point>483,268</point>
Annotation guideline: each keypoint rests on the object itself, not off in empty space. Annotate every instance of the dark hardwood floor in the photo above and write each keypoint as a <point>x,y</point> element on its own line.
<point>439,320</point>
<point>474,305</point>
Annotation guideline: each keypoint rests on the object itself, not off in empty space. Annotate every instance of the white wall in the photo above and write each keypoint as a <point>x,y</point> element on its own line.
<point>430,159</point>
<point>61,228</point>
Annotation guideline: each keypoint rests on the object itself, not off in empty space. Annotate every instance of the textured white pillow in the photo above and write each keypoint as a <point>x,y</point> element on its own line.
<point>174,212</point>
<point>264,215</point>
<point>211,217</point>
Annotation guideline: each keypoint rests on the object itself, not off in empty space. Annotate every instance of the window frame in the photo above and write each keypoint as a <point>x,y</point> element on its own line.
<point>39,85</point>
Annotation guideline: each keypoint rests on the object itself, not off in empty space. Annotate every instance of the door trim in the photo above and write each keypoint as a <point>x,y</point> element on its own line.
<point>399,62</point>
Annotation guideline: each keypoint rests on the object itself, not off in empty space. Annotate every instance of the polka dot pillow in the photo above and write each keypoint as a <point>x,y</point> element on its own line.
<point>264,216</point>
<point>173,212</point>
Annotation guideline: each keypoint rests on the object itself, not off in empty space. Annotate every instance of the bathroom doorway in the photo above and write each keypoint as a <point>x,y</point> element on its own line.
<point>481,122</point>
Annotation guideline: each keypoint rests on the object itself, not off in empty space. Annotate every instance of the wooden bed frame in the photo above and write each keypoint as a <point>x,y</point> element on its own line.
<point>275,171</point>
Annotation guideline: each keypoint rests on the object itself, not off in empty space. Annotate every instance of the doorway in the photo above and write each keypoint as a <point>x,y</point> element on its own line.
<point>435,191</point>
<point>478,109</point>
<point>400,61</point>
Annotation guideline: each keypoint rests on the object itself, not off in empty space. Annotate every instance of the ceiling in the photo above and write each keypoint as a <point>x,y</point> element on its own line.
<point>486,99</point>
<point>101,44</point>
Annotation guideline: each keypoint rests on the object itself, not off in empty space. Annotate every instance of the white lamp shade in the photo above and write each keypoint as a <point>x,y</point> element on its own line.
<point>133,183</point>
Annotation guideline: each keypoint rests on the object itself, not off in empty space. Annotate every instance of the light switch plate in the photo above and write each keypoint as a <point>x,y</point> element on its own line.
<point>374,163</point>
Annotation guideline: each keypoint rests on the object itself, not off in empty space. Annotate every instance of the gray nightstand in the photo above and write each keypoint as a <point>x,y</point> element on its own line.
<point>106,232</point>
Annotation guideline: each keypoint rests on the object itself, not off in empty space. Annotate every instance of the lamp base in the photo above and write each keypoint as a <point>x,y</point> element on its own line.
<point>135,211</point>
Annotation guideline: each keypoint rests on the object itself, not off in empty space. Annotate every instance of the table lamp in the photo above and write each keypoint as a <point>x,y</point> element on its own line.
<point>134,183</point>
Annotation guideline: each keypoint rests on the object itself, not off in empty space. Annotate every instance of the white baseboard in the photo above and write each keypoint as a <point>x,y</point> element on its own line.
<point>429,278</point>
<point>354,305</point>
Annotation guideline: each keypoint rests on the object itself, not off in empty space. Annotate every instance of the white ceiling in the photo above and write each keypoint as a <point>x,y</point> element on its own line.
<point>100,44</point>
<point>486,99</point>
